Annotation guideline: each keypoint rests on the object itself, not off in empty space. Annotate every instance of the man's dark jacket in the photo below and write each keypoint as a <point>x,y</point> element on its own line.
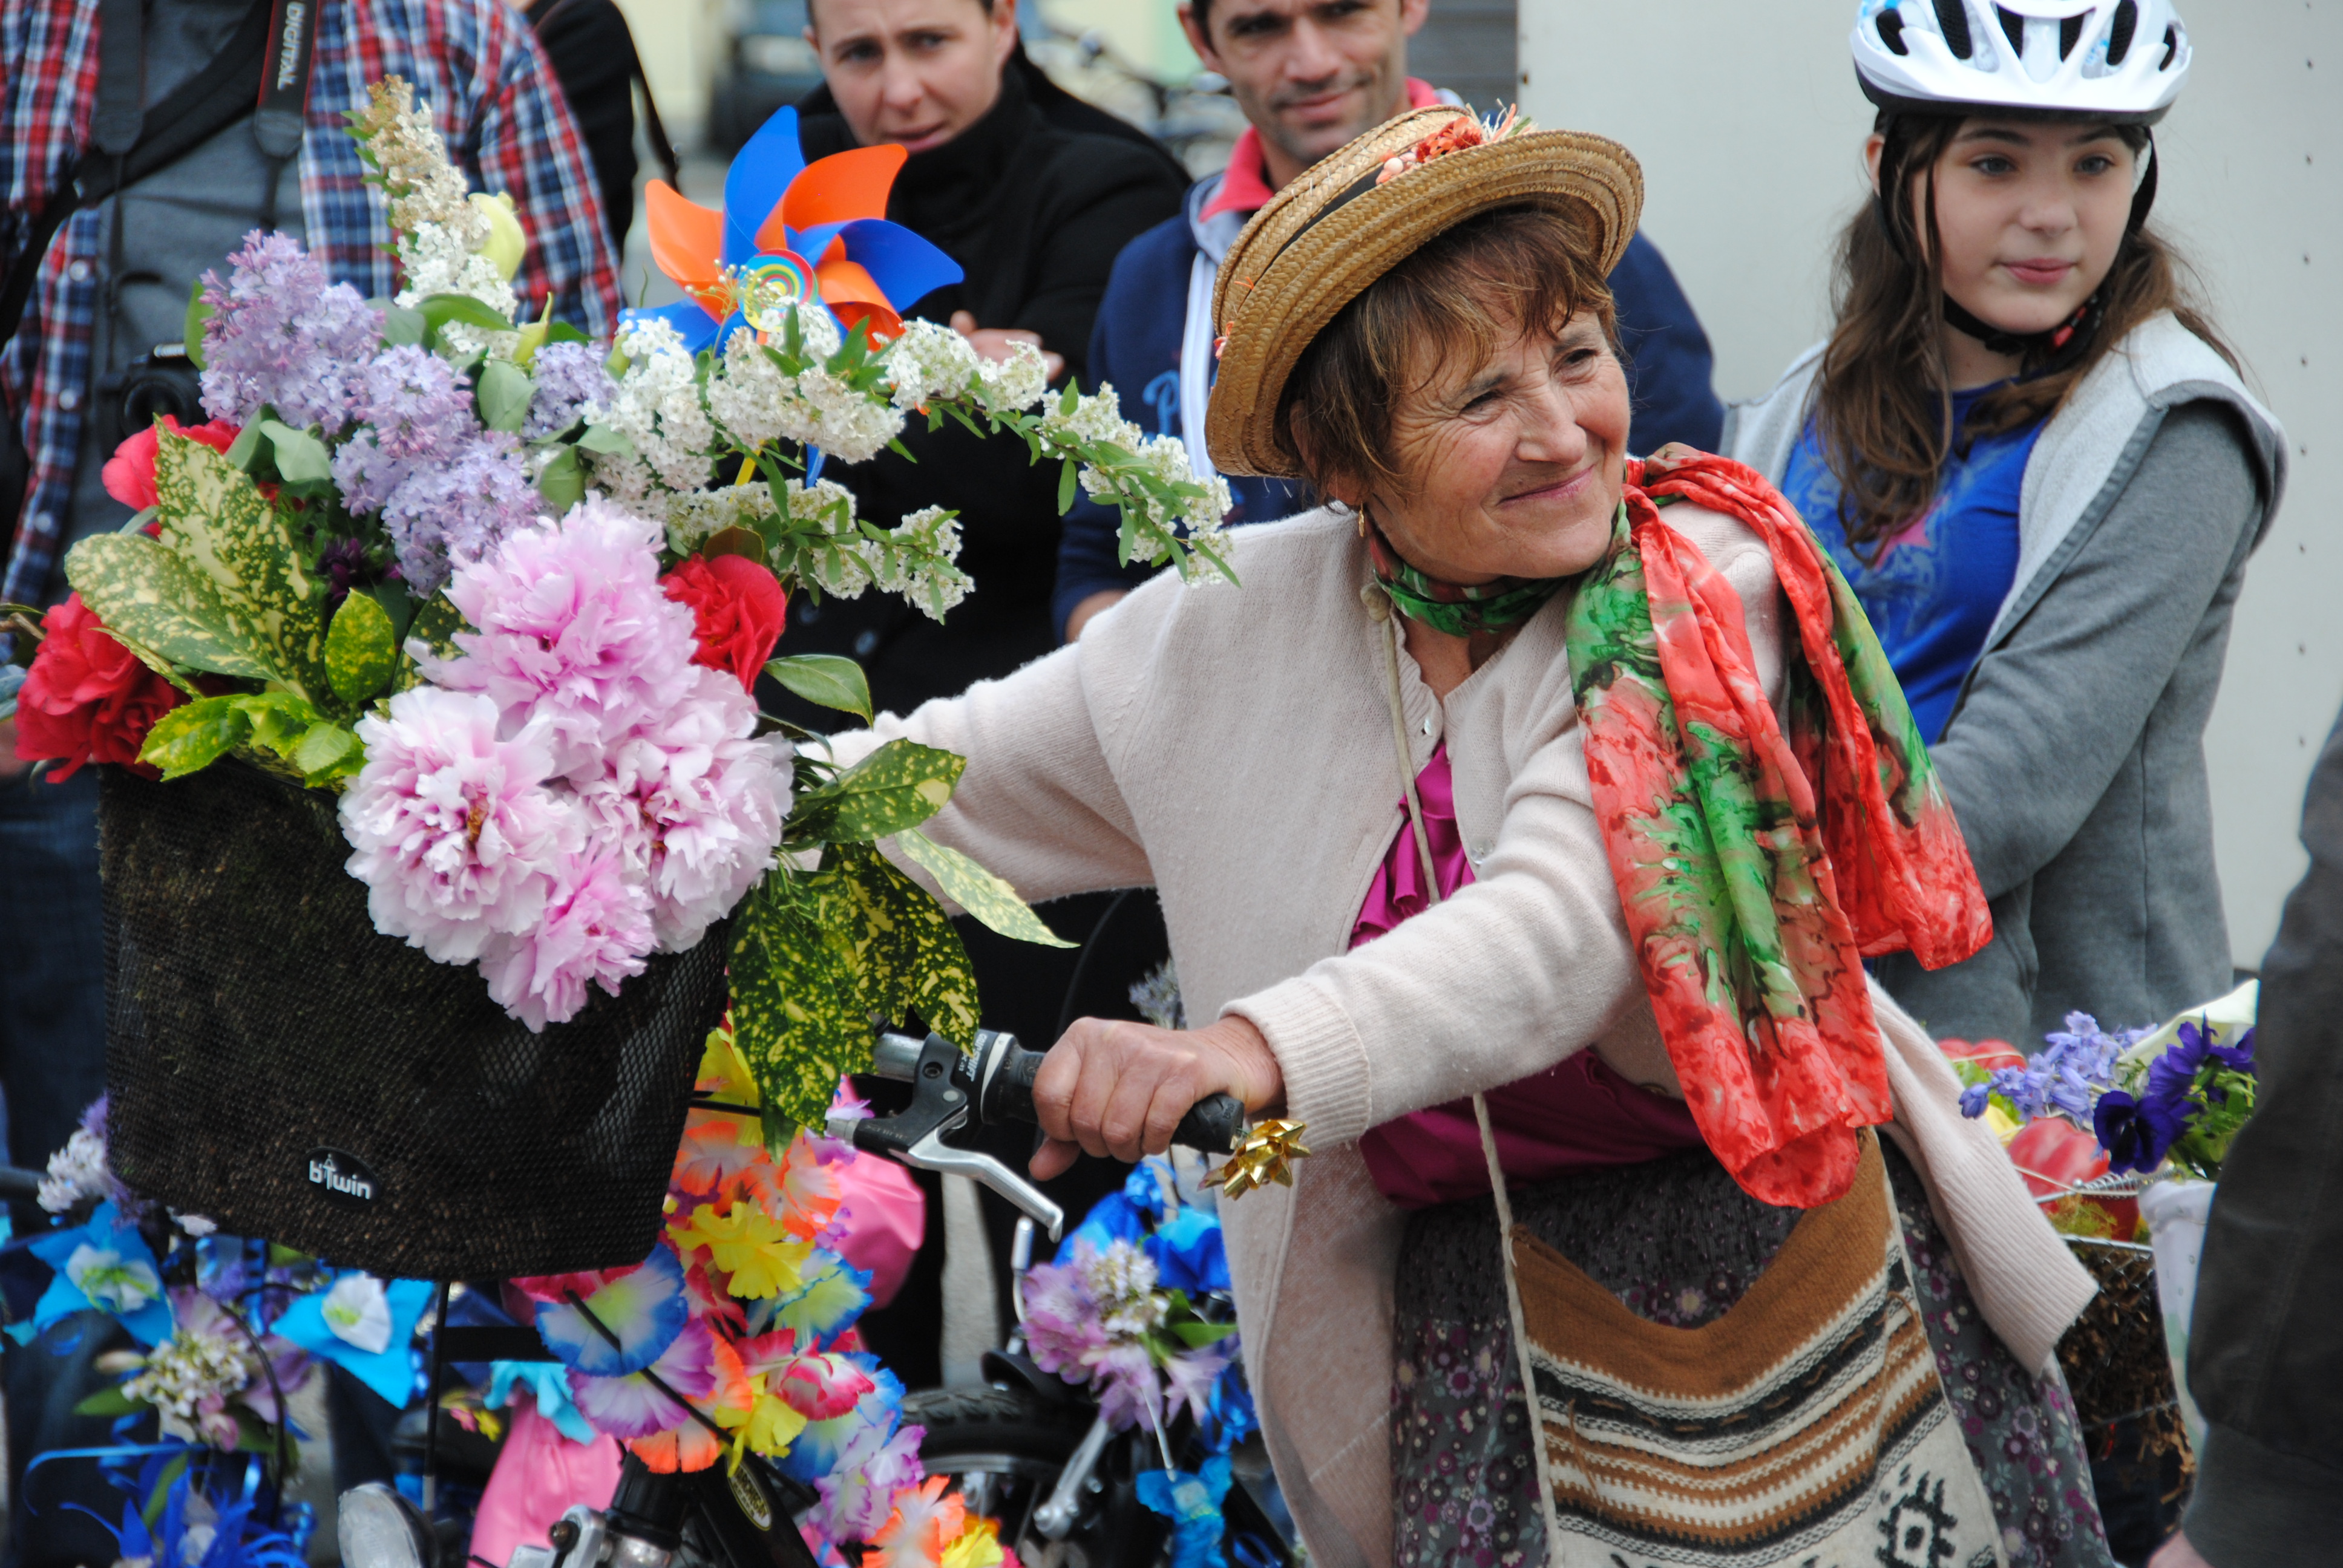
<point>2266,1347</point>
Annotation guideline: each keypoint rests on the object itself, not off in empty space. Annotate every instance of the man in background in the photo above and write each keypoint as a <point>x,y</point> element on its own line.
<point>1310,76</point>
<point>140,141</point>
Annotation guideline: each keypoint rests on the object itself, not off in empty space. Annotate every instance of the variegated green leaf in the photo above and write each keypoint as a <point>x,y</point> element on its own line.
<point>904,950</point>
<point>219,524</point>
<point>155,603</point>
<point>434,624</point>
<point>797,1011</point>
<point>195,735</point>
<point>279,719</point>
<point>899,786</point>
<point>360,648</point>
<point>983,894</point>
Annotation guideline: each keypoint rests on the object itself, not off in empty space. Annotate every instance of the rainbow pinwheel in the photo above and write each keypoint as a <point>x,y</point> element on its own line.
<point>815,232</point>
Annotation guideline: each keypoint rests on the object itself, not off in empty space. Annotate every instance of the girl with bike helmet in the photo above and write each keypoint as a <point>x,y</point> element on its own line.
<point>2033,456</point>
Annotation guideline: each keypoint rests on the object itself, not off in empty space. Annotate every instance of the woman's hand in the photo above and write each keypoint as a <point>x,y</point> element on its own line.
<point>997,343</point>
<point>1116,1089</point>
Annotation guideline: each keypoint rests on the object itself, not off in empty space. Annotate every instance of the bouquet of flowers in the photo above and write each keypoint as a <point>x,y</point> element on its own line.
<point>2150,1098</point>
<point>508,592</point>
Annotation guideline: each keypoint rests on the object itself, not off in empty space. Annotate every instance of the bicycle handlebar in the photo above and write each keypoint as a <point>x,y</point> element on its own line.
<point>1213,1124</point>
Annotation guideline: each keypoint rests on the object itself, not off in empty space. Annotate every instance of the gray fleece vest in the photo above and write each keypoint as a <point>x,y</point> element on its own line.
<point>2120,916</point>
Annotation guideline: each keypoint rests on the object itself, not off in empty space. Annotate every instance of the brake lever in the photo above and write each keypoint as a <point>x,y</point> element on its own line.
<point>943,1098</point>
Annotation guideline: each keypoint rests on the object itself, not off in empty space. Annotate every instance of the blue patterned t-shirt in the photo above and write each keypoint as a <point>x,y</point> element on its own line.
<point>1932,588</point>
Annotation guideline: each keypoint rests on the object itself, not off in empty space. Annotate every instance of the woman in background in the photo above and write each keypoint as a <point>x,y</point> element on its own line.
<point>2033,457</point>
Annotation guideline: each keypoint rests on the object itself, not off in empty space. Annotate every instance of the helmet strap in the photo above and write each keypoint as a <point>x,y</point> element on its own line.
<point>2068,337</point>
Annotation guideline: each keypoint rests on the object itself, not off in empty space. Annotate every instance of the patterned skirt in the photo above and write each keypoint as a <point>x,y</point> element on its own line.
<point>1679,1242</point>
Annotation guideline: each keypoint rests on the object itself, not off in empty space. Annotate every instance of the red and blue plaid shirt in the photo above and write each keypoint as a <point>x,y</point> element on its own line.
<point>474,62</point>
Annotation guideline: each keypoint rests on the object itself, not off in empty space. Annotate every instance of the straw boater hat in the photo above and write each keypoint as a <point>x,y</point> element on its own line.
<point>1356,214</point>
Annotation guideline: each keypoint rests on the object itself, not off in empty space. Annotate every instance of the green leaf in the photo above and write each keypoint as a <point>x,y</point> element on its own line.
<point>562,331</point>
<point>327,752</point>
<point>300,456</point>
<point>608,442</point>
<point>992,901</point>
<point>108,1401</point>
<point>361,647</point>
<point>401,326</point>
<point>151,1511</point>
<point>798,1013</point>
<point>503,395</point>
<point>1196,1335</point>
<point>217,523</point>
<point>899,786</point>
<point>195,736</point>
<point>828,679</point>
<point>902,948</point>
<point>440,310</point>
<point>191,326</point>
<point>150,599</point>
<point>1067,475</point>
<point>279,719</point>
<point>562,482</point>
<point>245,450</point>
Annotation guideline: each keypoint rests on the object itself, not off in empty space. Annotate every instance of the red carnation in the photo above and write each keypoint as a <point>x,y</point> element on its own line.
<point>737,609</point>
<point>129,474</point>
<point>87,697</point>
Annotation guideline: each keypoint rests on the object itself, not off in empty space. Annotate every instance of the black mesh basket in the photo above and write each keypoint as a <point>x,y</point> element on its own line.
<point>276,1065</point>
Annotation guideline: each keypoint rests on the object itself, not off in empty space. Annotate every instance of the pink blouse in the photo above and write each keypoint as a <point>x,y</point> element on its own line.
<point>1577,1115</point>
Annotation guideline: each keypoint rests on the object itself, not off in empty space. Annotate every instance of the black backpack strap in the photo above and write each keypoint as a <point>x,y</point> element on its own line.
<point>199,108</point>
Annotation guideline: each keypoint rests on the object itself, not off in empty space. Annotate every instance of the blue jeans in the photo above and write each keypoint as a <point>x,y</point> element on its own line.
<point>52,961</point>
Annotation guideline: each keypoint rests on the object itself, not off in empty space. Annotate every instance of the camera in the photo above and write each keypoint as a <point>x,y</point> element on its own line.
<point>163,380</point>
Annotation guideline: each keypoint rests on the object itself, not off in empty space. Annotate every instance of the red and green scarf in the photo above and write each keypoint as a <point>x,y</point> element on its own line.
<point>1759,864</point>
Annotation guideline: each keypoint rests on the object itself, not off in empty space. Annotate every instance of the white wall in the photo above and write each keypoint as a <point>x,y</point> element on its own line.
<point>1749,125</point>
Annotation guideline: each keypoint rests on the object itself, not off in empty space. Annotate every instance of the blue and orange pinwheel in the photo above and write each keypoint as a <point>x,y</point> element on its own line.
<point>815,232</point>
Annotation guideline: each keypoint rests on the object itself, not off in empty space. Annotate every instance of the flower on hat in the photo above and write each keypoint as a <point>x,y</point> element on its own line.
<point>1464,131</point>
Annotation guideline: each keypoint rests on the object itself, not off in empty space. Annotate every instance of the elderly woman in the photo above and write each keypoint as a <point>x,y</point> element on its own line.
<point>1524,839</point>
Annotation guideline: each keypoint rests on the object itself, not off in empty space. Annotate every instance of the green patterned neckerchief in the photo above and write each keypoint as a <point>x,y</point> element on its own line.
<point>1759,861</point>
<point>1459,609</point>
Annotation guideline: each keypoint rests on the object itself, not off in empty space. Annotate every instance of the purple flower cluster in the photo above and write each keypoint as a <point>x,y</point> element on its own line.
<point>282,336</point>
<point>448,491</point>
<point>2138,1131</point>
<point>569,376</point>
<point>2066,1077</point>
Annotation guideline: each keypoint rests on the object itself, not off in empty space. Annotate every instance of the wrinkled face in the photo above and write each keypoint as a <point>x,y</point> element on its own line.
<point>1512,466</point>
<point>916,73</point>
<point>2031,217</point>
<point>1311,75</point>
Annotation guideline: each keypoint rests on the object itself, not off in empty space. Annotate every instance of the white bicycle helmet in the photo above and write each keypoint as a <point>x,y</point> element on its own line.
<point>2123,60</point>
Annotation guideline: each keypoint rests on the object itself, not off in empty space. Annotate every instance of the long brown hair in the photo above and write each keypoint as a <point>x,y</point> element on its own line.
<point>1883,407</point>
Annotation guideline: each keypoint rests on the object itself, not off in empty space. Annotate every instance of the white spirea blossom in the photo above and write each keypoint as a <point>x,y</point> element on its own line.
<point>1017,383</point>
<point>924,571</point>
<point>749,395</point>
<point>1097,417</point>
<point>694,514</point>
<point>930,361</point>
<point>657,408</point>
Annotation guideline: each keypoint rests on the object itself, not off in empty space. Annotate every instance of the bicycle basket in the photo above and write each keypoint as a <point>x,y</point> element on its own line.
<point>277,1066</point>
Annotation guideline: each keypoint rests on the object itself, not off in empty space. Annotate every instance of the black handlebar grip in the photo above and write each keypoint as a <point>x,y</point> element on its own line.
<point>1213,1124</point>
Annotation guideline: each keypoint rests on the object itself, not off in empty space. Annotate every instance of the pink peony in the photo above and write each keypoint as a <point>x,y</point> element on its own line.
<point>452,829</point>
<point>596,928</point>
<point>576,633</point>
<point>692,805</point>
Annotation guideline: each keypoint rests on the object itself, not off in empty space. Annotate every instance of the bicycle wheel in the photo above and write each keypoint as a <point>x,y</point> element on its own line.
<point>1004,1449</point>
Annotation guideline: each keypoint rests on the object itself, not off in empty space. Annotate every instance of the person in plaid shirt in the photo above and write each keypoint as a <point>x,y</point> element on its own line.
<point>479,68</point>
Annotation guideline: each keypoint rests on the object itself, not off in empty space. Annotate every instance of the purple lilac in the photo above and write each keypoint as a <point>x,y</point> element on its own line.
<point>420,415</point>
<point>568,376</point>
<point>280,335</point>
<point>2067,1077</point>
<point>449,514</point>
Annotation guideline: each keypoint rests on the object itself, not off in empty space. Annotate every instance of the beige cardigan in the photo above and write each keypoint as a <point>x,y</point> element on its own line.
<point>1233,747</point>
